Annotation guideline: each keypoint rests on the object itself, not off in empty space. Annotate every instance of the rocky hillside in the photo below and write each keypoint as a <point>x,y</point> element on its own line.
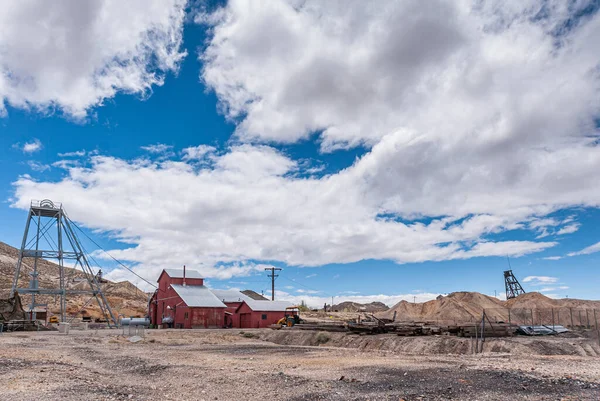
<point>469,306</point>
<point>356,307</point>
<point>123,297</point>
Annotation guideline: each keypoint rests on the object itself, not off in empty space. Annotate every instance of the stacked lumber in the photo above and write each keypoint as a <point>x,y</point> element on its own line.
<point>489,330</point>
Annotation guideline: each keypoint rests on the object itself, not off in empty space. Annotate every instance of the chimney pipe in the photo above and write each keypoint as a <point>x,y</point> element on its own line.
<point>184,275</point>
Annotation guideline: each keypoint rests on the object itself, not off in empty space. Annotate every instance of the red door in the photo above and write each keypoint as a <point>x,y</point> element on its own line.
<point>245,320</point>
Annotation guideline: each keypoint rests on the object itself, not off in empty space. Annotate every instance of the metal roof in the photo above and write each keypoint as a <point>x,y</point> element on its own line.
<point>178,273</point>
<point>542,330</point>
<point>197,296</point>
<point>268,306</point>
<point>230,295</point>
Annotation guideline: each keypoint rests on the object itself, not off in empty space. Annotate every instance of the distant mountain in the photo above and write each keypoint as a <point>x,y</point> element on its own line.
<point>123,297</point>
<point>254,295</point>
<point>348,306</point>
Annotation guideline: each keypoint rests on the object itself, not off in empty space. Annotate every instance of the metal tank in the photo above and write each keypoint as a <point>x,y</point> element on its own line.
<point>135,321</point>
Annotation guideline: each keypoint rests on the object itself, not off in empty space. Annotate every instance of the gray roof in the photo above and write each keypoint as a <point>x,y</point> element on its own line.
<point>178,273</point>
<point>230,295</point>
<point>268,306</point>
<point>197,296</point>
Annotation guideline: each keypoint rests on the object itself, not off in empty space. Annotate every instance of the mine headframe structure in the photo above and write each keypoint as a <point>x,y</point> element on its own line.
<point>513,287</point>
<point>45,217</point>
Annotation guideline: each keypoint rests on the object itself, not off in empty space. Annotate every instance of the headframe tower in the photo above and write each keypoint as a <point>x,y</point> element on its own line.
<point>513,287</point>
<point>49,234</point>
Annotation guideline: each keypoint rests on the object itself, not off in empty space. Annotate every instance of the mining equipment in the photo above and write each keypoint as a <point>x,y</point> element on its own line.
<point>513,287</point>
<point>50,234</point>
<point>291,318</point>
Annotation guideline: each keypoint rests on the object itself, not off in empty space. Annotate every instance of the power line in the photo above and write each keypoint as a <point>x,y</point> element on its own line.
<point>113,258</point>
<point>273,276</point>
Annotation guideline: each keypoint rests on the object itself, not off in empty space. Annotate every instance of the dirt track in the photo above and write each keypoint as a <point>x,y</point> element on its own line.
<point>227,365</point>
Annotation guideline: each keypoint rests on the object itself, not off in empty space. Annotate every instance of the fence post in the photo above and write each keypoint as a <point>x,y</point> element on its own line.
<point>580,322</point>
<point>595,319</point>
<point>476,340</point>
<point>553,320</point>
<point>587,316</point>
<point>509,322</point>
<point>531,310</point>
<point>572,325</point>
<point>558,316</point>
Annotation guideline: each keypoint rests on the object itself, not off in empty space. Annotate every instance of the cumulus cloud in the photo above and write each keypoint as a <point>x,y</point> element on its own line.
<point>587,250</point>
<point>476,119</point>
<point>72,55</point>
<point>197,152</point>
<point>466,74</point>
<point>540,280</point>
<point>32,146</point>
<point>249,205</point>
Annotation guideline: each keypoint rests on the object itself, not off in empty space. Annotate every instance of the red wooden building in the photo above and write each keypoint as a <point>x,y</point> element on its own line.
<point>185,302</point>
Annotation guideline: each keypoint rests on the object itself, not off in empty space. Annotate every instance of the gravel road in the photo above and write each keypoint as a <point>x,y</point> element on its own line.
<point>227,365</point>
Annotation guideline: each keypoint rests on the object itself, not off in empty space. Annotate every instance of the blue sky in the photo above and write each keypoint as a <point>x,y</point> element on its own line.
<point>368,165</point>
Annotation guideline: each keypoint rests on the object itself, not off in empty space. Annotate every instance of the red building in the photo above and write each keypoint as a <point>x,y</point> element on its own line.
<point>187,303</point>
<point>253,314</point>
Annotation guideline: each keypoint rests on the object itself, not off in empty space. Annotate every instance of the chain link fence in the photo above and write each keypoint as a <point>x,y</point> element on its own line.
<point>572,318</point>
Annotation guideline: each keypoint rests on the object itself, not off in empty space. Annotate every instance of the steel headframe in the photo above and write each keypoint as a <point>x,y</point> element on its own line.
<point>47,215</point>
<point>513,287</point>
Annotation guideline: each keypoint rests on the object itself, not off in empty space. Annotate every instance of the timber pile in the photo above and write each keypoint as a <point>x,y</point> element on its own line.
<point>495,330</point>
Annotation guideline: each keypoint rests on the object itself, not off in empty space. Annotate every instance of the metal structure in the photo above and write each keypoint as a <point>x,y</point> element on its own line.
<point>273,276</point>
<point>513,287</point>
<point>49,234</point>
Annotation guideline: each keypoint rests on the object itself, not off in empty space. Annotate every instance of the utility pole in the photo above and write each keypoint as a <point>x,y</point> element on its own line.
<point>273,276</point>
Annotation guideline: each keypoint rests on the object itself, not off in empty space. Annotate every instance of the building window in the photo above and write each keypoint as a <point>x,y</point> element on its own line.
<point>264,317</point>
<point>185,315</point>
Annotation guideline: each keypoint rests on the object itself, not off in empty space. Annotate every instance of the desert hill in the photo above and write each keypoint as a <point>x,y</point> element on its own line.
<point>123,297</point>
<point>469,306</point>
<point>372,307</point>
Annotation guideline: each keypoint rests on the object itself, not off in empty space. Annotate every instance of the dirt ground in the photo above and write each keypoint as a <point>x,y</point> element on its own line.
<point>236,365</point>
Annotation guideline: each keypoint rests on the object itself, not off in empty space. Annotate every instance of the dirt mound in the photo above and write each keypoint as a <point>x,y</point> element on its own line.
<point>458,306</point>
<point>124,298</point>
<point>356,307</point>
<point>469,306</point>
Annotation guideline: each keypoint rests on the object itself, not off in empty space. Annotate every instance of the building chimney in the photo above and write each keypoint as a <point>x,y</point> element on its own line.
<point>184,275</point>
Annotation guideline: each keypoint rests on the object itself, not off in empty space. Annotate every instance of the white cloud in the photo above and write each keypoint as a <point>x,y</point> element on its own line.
<point>587,250</point>
<point>37,166</point>
<point>451,71</point>
<point>157,148</point>
<point>303,291</point>
<point>197,152</point>
<point>78,153</point>
<point>482,115</point>
<point>569,229</point>
<point>312,275</point>
<point>553,258</point>
<point>29,147</point>
<point>540,280</point>
<point>246,206</point>
<point>73,55</point>
<point>550,289</point>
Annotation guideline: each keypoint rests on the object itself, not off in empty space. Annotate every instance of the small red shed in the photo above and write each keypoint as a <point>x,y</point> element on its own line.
<point>253,314</point>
